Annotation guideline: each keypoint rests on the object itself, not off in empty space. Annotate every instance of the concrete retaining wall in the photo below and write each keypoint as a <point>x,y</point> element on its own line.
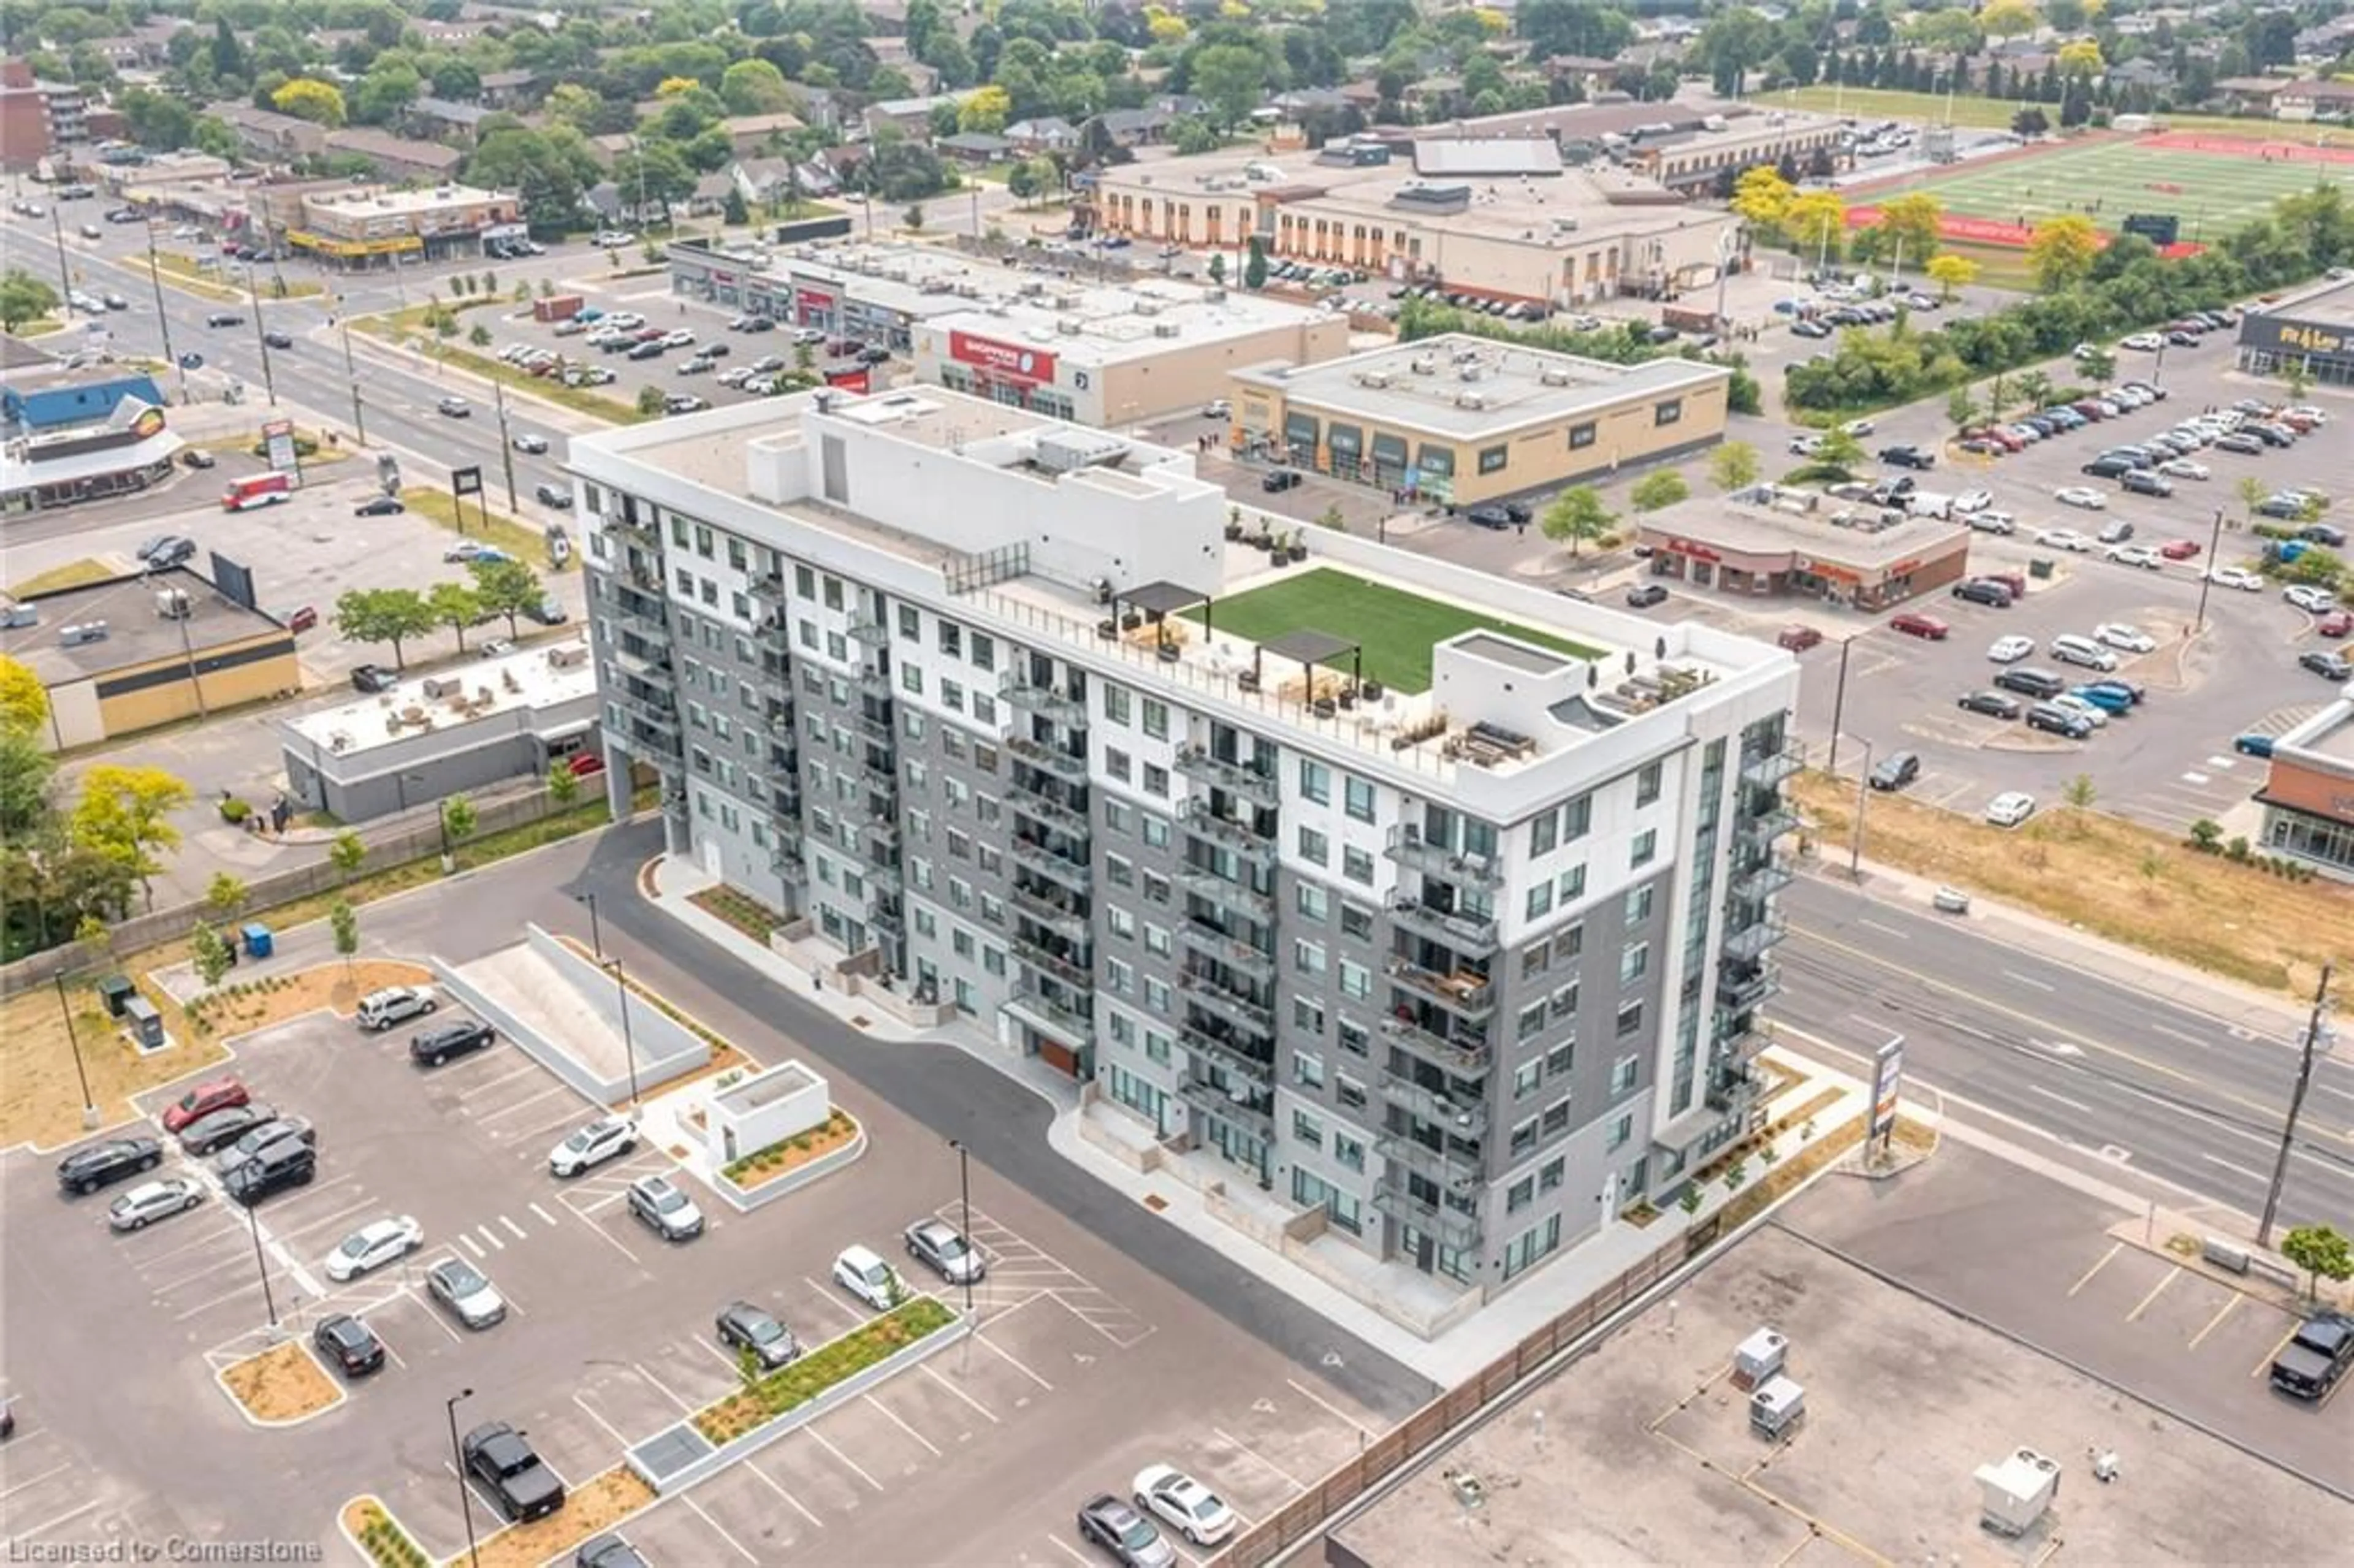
<point>666,1048</point>
<point>528,1041</point>
<point>746,1200</point>
<point>714,1461</point>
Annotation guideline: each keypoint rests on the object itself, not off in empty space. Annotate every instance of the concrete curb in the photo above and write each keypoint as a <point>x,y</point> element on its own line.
<point>745,1200</point>
<point>371,1499</point>
<point>342,1394</point>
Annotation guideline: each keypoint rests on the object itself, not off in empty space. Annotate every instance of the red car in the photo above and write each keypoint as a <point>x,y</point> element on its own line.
<point>585,764</point>
<point>1799,639</point>
<point>2178,549</point>
<point>220,1094</point>
<point>1915,625</point>
<point>301,619</point>
<point>2336,623</point>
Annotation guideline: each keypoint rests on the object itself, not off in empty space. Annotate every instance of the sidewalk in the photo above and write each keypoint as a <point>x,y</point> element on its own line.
<point>1084,1134</point>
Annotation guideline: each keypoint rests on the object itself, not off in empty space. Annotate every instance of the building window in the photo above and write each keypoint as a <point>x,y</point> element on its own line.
<point>1314,846</point>
<point>1315,782</point>
<point>1540,900</point>
<point>1359,797</point>
<point>1312,901</point>
<point>1577,818</point>
<point>1545,833</point>
<point>1630,1019</point>
<point>1647,844</point>
<point>1639,902</point>
<point>1524,1136</point>
<point>1307,958</point>
<point>1356,980</point>
<point>1622,1128</point>
<point>1647,784</point>
<point>1116,703</point>
<point>1623,1073</point>
<point>1556,1116</point>
<point>1156,718</point>
<point>1521,1194</point>
<point>1307,1069</point>
<point>1581,436</point>
<point>1634,962</point>
<point>1667,413</point>
<point>1527,1077</point>
<point>1491,459</point>
<point>1357,865</point>
<point>1538,1241</point>
<point>1549,1176</point>
<point>1306,1129</point>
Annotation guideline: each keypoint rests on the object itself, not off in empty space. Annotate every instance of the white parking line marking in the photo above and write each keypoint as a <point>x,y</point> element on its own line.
<point>510,1224</point>
<point>2229,1307</point>
<point>1010,1361</point>
<point>471,1090</point>
<point>722,1534</point>
<point>29,1532</point>
<point>542,1213</point>
<point>1263,1460</point>
<point>591,1412</point>
<point>470,1244</point>
<point>609,1239</point>
<point>2022,980</point>
<point>855,1468</point>
<point>1314,1398</point>
<point>902,1425</point>
<point>1070,1551</point>
<point>662,1387</point>
<point>203,1307</point>
<point>209,1238</point>
<point>780,1491</point>
<point>857,1320</point>
<point>990,1415</point>
<point>36,1480</point>
<point>285,1231</point>
<point>528,1100</point>
<point>490,1236</point>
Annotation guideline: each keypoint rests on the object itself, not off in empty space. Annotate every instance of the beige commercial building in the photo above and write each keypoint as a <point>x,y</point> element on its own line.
<point>1506,218</point>
<point>1465,419</point>
<point>368,226</point>
<point>1768,541</point>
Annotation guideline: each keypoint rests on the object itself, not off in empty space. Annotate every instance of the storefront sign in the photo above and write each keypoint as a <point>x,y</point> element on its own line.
<point>1697,551</point>
<point>1007,360</point>
<point>278,443</point>
<point>1904,569</point>
<point>849,380</point>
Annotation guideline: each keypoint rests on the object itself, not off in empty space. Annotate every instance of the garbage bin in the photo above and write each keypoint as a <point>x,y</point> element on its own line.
<point>2040,568</point>
<point>257,941</point>
<point>115,991</point>
<point>146,1023</point>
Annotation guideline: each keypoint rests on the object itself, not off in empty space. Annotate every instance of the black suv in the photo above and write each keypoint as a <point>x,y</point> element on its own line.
<point>2056,720</point>
<point>349,1344</point>
<point>86,1170</point>
<point>524,1489</point>
<point>2037,683</point>
<point>1979,590</point>
<point>2110,466</point>
<point>1489,517</point>
<point>1897,770</point>
<point>1280,479</point>
<point>435,1046</point>
<point>289,1162</point>
<point>1990,704</point>
<point>1908,457</point>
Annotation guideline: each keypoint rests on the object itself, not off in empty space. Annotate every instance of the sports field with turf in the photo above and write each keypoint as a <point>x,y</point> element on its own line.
<point>1995,113</point>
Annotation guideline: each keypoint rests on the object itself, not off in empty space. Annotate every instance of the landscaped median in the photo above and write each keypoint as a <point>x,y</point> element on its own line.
<point>769,1408</point>
<point>793,1163</point>
<point>281,1386</point>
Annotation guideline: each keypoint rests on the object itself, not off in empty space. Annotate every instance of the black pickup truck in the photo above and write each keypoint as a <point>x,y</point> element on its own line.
<point>2316,1358</point>
<point>524,1487</point>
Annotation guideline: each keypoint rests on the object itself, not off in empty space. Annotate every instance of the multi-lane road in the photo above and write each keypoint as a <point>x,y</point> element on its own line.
<point>2153,1085</point>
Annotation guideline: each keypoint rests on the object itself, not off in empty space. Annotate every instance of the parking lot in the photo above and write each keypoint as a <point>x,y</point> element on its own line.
<point>610,1336</point>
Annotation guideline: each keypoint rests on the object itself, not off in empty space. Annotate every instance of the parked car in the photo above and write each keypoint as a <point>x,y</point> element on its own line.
<point>463,1288</point>
<point>435,1046</point>
<point>2331,666</point>
<point>380,506</point>
<point>294,1128</point>
<point>2140,555</point>
<point>2011,808</point>
<point>552,495</point>
<point>607,1138</point>
<point>345,1342</point>
<point>1982,591</point>
<point>2236,577</point>
<point>522,1486</point>
<point>2082,495</point>
<point>1912,623</point>
<point>210,1133</point>
<point>745,1327</point>
<point>1908,457</point>
<point>1184,1504</point>
<point>1896,770</point>
<point>2252,745</point>
<point>152,1200</point>
<point>1643,595</point>
<point>2336,623</point>
<point>943,1249</point>
<point>373,1246</point>
<point>2312,600</point>
<point>2119,635</point>
<point>2179,550</point>
<point>196,457</point>
<point>2063,539</point>
<point>2053,719</point>
<point>665,1208</point>
<point>86,1169</point>
<point>1988,704</point>
<point>1279,479</point>
<point>213,1095</point>
<point>2146,481</point>
<point>275,1167</point>
<point>859,1271</point>
<point>609,1551</point>
<point>395,1004</point>
<point>2315,1356</point>
<point>1132,1540</point>
<point>1799,639</point>
<point>374,678</point>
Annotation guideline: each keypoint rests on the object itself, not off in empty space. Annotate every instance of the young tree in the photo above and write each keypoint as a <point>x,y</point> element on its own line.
<point>384,615</point>
<point>1660,489</point>
<point>2099,365</point>
<point>347,853</point>
<point>563,786</point>
<point>1255,267</point>
<point>1962,408</point>
<point>24,298</point>
<point>2322,1253</point>
<point>1733,466</point>
<point>505,587</point>
<point>2034,389</point>
<point>226,896</point>
<point>2080,793</point>
<point>2061,251</point>
<point>456,605</point>
<point>1911,227</point>
<point>459,817</point>
<point>480,337</point>
<point>1218,267</point>
<point>346,923</point>
<point>211,955</point>
<point>1576,516</point>
<point>24,701</point>
<point>914,215</point>
<point>124,815</point>
<point>649,401</point>
<point>1952,274</point>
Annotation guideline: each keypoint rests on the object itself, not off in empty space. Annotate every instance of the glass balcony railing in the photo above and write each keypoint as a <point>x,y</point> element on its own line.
<point>1200,765</point>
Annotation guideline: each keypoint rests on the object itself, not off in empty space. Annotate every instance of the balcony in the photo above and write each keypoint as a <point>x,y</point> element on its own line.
<point>785,861</point>
<point>1767,769</point>
<point>1761,879</point>
<point>1453,1228</point>
<point>1225,833</point>
<point>1214,1101</point>
<point>655,716</point>
<point>1216,997</point>
<point>769,593</point>
<point>1458,933</point>
<point>785,798</point>
<point>1050,1018</point>
<point>1762,829</point>
<point>881,779</point>
<point>1047,701</point>
<point>638,530</point>
<point>1196,763</point>
<point>1051,759</point>
<point>1744,1045</point>
<point>1054,913</point>
<point>1466,993</point>
<point>888,918</point>
<point>1749,943</point>
<point>1212,888</point>
<point>1424,1101</point>
<point>1734,1090</point>
<point>1227,1052</point>
<point>1462,1060</point>
<point>1409,848</point>
<point>877,731</point>
<point>880,835</point>
<point>644,608</point>
<point>1738,990</point>
<point>868,630</point>
<point>873,680</point>
<point>1067,868</point>
<point>1449,1168</point>
<point>642,659</point>
<point>1231,951</point>
<point>778,717</point>
<point>1046,961</point>
<point>1038,808</point>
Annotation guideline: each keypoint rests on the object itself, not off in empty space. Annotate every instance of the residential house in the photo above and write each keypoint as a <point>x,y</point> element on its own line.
<point>2251,94</point>
<point>1049,134</point>
<point>605,149</point>
<point>270,136</point>
<point>1136,127</point>
<point>125,52</point>
<point>398,158</point>
<point>976,148</point>
<point>754,134</point>
<point>439,117</point>
<point>451,35</point>
<point>1591,73</point>
<point>911,117</point>
<point>823,107</point>
<point>510,90</point>
<point>2312,100</point>
<point>710,195</point>
<point>1433,96</point>
<point>612,207</point>
<point>2147,74</point>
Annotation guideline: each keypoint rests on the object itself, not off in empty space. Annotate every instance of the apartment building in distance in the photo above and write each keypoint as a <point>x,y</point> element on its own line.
<point>1437,906</point>
<point>39,118</point>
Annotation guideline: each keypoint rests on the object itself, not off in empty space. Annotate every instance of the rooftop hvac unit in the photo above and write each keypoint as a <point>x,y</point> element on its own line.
<point>1564,225</point>
<point>1554,377</point>
<point>172,603</point>
<point>2014,1493</point>
<point>1069,326</point>
<point>1066,301</point>
<point>1147,307</point>
<point>1213,296</point>
<point>1776,1407</point>
<point>1425,366</point>
<point>1759,1359</point>
<point>1375,378</point>
<point>1470,373</point>
<point>1033,287</point>
<point>1167,329</point>
<point>1469,400</point>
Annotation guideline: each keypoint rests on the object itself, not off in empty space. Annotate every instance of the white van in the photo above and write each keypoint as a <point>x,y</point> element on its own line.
<point>2071,649</point>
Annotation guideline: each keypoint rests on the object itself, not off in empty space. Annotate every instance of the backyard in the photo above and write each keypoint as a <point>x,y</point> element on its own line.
<point>1398,628</point>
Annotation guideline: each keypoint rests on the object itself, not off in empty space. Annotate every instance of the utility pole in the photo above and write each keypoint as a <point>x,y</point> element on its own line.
<point>163,317</point>
<point>65,272</point>
<point>1839,705</point>
<point>2207,577</point>
<point>260,338</point>
<point>506,442</point>
<point>1863,799</point>
<point>359,415</point>
<point>2312,1042</point>
<point>73,1038</point>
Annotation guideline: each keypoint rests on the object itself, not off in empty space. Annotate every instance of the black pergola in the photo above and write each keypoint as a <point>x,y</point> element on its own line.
<point>1309,648</point>
<point>1159,601</point>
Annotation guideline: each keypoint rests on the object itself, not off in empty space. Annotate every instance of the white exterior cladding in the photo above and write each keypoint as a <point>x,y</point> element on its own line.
<point>1473,1004</point>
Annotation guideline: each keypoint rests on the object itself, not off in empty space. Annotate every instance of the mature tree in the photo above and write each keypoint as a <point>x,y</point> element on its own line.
<point>505,587</point>
<point>24,701</point>
<point>1733,466</point>
<point>1255,266</point>
<point>2061,251</point>
<point>1762,197</point>
<point>755,86</point>
<point>157,120</point>
<point>27,771</point>
<point>572,104</point>
<point>2321,1252</point>
<point>1660,488</point>
<point>389,615</point>
<point>1231,77</point>
<point>1195,135</point>
<point>24,298</point>
<point>987,112</point>
<point>225,897</point>
<point>2007,19</point>
<point>655,172</point>
<point>456,605</point>
<point>1952,274</point>
<point>2081,58</point>
<point>2252,492</point>
<point>307,98</point>
<point>1910,226</point>
<point>1815,222</point>
<point>1576,516</point>
<point>124,814</point>
<point>458,81</point>
<point>1550,26</point>
<point>1736,43</point>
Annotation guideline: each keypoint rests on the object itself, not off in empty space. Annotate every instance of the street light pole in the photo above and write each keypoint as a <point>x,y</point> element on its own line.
<point>2313,1039</point>
<point>359,415</point>
<point>163,317</point>
<point>506,442</point>
<point>65,271</point>
<point>73,1037</point>
<point>964,1204</point>
<point>1862,796</point>
<point>596,937</point>
<point>458,1466</point>
<point>260,338</point>
<point>253,1224</point>
<point>628,1045</point>
<point>2207,577</point>
<point>1839,705</point>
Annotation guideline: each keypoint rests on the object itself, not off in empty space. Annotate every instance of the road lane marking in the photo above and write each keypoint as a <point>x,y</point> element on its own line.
<point>1270,1465</point>
<point>2216,1322</point>
<point>780,1491</point>
<point>542,1213</point>
<point>722,1534</point>
<point>2022,980</point>
<point>885,1412</point>
<point>856,1468</point>
<point>2236,1169</point>
<point>983,1340</point>
<point>2077,1105</point>
<point>2187,1038</point>
<point>960,1393</point>
<point>1884,930</point>
<point>2087,1279</point>
<point>1313,1397</point>
<point>2155,1292</point>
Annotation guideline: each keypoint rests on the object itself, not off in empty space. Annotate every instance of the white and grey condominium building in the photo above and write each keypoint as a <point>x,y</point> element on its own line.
<point>1436,903</point>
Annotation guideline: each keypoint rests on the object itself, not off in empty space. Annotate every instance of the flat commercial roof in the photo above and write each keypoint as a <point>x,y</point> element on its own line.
<point>527,680</point>
<point>2328,734</point>
<point>1105,326</point>
<point>1424,385</point>
<point>2333,304</point>
<point>135,633</point>
<point>1853,532</point>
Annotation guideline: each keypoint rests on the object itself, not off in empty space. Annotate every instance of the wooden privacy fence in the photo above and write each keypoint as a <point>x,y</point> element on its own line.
<point>1305,1515</point>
